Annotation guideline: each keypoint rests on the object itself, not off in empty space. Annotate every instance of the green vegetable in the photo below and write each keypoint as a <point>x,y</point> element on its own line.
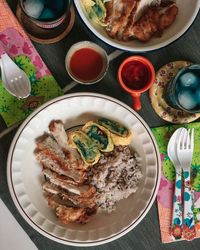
<point>113,127</point>
<point>86,147</point>
<point>96,10</point>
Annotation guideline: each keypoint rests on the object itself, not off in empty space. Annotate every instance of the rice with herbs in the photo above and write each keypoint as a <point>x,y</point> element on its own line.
<point>115,176</point>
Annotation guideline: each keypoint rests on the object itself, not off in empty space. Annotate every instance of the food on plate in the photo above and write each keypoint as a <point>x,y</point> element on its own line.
<point>53,157</point>
<point>96,10</point>
<point>58,131</point>
<point>115,176</point>
<point>100,135</point>
<point>133,19</point>
<point>153,22</point>
<point>85,146</point>
<point>84,170</point>
<point>120,134</point>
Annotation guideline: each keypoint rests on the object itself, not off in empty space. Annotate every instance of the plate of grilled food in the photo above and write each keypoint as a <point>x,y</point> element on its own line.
<point>83,169</point>
<point>138,25</point>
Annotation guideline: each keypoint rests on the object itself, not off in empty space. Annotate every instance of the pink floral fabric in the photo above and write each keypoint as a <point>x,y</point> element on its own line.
<point>14,44</point>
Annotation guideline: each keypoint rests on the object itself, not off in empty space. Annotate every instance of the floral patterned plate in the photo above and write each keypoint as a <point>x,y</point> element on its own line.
<point>163,76</point>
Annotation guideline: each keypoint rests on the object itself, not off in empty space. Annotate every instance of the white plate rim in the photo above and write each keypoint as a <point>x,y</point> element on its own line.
<point>71,242</point>
<point>147,48</point>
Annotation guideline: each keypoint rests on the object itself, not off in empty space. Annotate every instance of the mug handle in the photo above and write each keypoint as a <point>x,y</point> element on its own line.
<point>136,101</point>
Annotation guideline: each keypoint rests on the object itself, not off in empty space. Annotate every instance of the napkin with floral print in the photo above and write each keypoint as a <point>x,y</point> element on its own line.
<point>166,189</point>
<point>18,46</point>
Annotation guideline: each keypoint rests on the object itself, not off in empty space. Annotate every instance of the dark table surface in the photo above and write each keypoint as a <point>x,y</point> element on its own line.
<point>147,234</point>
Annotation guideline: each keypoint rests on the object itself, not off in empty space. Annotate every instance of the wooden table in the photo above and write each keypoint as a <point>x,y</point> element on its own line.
<point>147,234</point>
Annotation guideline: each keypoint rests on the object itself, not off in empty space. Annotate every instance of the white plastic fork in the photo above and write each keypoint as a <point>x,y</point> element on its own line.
<point>14,79</point>
<point>185,150</point>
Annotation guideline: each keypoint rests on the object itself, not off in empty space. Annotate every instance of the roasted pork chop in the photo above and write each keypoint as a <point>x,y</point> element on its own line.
<point>51,156</point>
<point>118,12</point>
<point>67,214</point>
<point>153,22</point>
<point>138,19</point>
<point>65,176</point>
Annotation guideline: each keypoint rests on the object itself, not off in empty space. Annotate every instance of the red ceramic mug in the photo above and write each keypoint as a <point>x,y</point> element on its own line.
<point>136,75</point>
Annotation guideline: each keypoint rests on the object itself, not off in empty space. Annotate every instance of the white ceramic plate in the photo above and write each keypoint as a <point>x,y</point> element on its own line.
<point>25,177</point>
<point>188,10</point>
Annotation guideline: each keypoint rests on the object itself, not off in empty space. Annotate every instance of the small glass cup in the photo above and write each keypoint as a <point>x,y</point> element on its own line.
<point>85,62</point>
<point>183,92</point>
<point>58,15</point>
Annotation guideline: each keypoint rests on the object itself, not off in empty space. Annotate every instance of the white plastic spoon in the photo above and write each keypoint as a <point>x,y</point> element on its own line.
<point>177,221</point>
<point>14,79</point>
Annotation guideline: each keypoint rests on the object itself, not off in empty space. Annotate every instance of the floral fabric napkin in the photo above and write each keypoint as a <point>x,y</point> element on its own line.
<point>18,46</point>
<point>166,189</point>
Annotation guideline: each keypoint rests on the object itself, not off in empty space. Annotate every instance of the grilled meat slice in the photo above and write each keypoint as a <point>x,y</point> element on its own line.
<point>49,174</point>
<point>64,183</point>
<point>75,199</point>
<point>153,22</point>
<point>123,21</point>
<point>51,156</point>
<point>138,19</point>
<point>138,10</point>
<point>58,131</point>
<point>79,215</point>
<point>118,12</point>
<point>56,127</point>
<point>47,142</point>
<point>168,16</point>
<point>71,214</point>
<point>58,200</point>
<point>47,159</point>
<point>114,10</point>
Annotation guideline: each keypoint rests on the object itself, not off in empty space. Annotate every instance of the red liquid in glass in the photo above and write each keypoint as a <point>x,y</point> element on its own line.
<point>135,75</point>
<point>86,64</point>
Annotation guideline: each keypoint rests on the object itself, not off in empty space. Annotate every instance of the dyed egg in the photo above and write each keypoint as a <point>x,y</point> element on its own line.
<point>187,99</point>
<point>188,80</point>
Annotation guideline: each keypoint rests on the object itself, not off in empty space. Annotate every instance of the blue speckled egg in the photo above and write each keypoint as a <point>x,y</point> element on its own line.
<point>187,99</point>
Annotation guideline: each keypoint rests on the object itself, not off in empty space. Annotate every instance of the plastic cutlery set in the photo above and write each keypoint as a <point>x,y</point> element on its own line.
<point>180,151</point>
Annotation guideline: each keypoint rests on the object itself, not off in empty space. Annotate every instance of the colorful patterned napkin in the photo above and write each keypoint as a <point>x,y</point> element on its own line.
<point>166,189</point>
<point>17,45</point>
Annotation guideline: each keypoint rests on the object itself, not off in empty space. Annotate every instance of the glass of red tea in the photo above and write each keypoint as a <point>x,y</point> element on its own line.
<point>86,62</point>
<point>136,75</point>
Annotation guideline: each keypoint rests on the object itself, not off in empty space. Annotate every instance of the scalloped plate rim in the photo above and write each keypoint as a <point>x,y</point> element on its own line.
<point>116,235</point>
